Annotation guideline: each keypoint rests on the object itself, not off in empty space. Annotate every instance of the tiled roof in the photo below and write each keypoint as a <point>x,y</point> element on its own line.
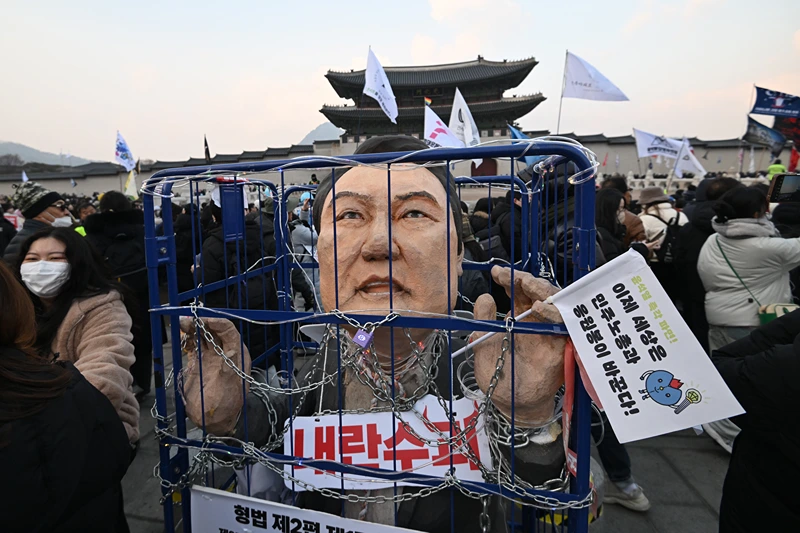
<point>477,109</point>
<point>478,70</point>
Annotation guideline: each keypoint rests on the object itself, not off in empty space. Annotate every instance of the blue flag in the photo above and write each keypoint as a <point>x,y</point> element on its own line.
<point>529,159</point>
<point>757,133</point>
<point>775,103</point>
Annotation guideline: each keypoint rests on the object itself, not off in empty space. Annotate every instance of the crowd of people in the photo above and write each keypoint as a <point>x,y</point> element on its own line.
<point>76,348</point>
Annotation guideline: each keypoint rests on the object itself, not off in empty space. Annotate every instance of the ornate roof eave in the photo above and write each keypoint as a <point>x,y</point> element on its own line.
<point>350,84</point>
<point>418,112</point>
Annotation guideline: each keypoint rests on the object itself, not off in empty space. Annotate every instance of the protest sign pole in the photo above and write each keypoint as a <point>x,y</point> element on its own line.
<point>561,100</point>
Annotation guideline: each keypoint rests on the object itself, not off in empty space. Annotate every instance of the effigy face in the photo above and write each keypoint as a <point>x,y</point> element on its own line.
<point>419,250</point>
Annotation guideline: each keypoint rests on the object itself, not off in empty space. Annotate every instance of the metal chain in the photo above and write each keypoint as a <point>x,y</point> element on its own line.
<point>458,441</point>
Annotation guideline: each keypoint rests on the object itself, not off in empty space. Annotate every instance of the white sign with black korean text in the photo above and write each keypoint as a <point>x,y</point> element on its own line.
<point>646,366</point>
<point>379,440</point>
<point>216,511</point>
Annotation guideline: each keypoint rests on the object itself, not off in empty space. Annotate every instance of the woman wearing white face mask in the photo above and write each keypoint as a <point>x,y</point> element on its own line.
<point>81,315</point>
<point>41,209</point>
<point>609,219</point>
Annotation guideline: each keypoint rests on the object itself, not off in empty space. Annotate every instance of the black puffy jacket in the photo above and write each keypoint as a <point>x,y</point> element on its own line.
<point>691,238</point>
<point>7,233</point>
<point>222,260</point>
<point>118,236</point>
<point>62,469</point>
<point>761,371</point>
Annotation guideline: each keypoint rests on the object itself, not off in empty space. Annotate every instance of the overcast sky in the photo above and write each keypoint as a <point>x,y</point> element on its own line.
<point>250,74</point>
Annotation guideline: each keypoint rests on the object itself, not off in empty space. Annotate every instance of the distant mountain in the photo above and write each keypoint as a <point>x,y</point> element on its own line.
<point>323,132</point>
<point>32,155</point>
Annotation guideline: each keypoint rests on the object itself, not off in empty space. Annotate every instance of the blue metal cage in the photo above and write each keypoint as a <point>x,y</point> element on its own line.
<point>557,240</point>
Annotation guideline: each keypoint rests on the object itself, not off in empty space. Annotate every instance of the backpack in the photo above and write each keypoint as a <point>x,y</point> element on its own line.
<point>493,246</point>
<point>669,246</point>
<point>125,257</point>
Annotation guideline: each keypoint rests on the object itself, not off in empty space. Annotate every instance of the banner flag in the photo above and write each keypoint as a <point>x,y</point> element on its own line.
<point>208,152</point>
<point>130,186</point>
<point>688,162</point>
<point>376,85</point>
<point>757,133</point>
<point>647,368</point>
<point>775,103</point>
<point>123,155</point>
<point>794,158</point>
<point>24,176</point>
<point>648,144</point>
<point>582,80</point>
<point>529,159</point>
<point>463,125</point>
<point>73,182</point>
<point>789,128</point>
<point>437,135</point>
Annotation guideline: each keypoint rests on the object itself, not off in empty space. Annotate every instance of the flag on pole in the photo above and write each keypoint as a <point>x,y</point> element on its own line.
<point>648,144</point>
<point>130,186</point>
<point>794,159</point>
<point>376,85</point>
<point>774,103</point>
<point>529,159</point>
<point>605,159</point>
<point>687,161</point>
<point>73,182</point>
<point>24,176</point>
<point>208,153</point>
<point>463,125</point>
<point>123,154</point>
<point>757,133</point>
<point>428,101</point>
<point>582,80</point>
<point>752,167</point>
<point>437,135</point>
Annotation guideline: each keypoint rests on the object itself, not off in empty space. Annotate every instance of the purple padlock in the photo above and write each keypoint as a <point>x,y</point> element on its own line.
<point>362,338</point>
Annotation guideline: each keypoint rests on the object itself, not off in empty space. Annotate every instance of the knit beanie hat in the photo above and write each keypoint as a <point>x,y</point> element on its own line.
<point>31,198</point>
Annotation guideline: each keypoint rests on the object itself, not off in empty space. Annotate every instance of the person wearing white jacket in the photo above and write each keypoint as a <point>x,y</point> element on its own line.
<point>657,213</point>
<point>744,265</point>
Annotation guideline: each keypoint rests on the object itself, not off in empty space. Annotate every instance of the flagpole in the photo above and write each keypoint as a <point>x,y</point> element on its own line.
<point>561,100</point>
<point>358,128</point>
<point>675,168</point>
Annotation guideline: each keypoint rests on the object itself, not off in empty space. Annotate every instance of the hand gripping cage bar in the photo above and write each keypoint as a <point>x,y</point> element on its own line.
<point>176,468</point>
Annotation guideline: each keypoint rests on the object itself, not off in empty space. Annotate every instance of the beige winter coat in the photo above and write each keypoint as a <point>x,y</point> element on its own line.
<point>96,337</point>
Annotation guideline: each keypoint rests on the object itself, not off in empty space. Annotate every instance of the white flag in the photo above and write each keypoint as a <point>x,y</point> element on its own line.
<point>24,176</point>
<point>659,160</point>
<point>582,80</point>
<point>130,186</point>
<point>437,135</point>
<point>376,85</point>
<point>462,123</point>
<point>687,162</point>
<point>648,144</point>
<point>123,155</point>
<point>752,168</point>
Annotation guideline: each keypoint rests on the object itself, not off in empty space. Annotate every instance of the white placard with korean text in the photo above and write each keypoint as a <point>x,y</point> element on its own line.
<point>646,366</point>
<point>380,441</point>
<point>216,511</point>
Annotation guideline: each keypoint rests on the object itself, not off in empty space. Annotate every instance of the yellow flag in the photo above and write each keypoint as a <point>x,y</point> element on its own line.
<point>130,186</point>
